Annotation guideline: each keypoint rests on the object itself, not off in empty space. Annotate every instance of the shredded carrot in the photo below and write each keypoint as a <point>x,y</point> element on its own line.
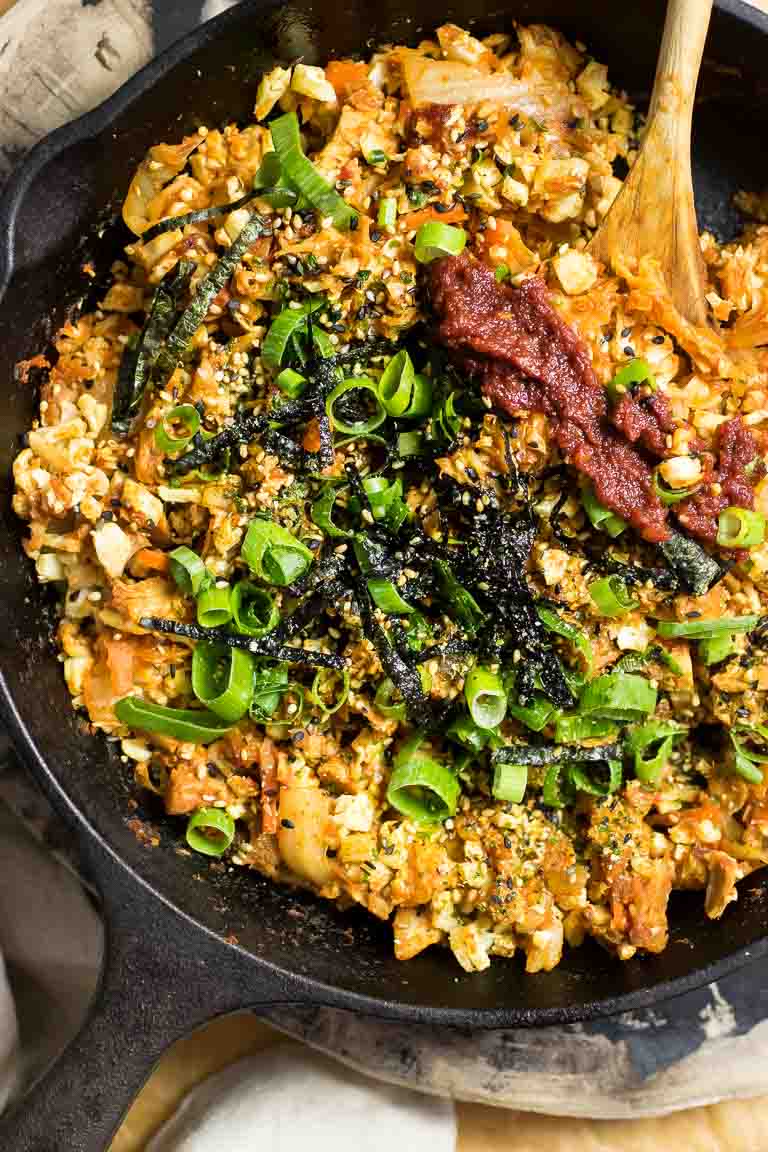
<point>120,656</point>
<point>149,560</point>
<point>311,440</point>
<point>346,76</point>
<point>269,787</point>
<point>425,215</point>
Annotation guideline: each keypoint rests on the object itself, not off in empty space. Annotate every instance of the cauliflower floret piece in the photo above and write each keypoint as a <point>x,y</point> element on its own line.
<point>49,567</point>
<point>310,81</point>
<point>354,813</point>
<point>575,270</point>
<point>413,933</point>
<point>271,88</point>
<point>470,944</point>
<point>515,191</point>
<point>113,547</point>
<point>457,44</point>
<point>139,500</point>
<point>94,412</point>
<point>63,446</point>
<point>443,912</point>
<point>592,84</point>
<point>634,636</point>
<point>561,183</point>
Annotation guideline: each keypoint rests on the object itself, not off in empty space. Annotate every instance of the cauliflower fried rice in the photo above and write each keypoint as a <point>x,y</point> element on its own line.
<point>408,553</point>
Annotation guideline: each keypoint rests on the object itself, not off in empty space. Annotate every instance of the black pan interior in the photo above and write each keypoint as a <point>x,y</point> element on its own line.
<point>55,217</point>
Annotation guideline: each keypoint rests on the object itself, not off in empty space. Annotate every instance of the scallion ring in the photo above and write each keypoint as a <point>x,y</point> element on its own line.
<point>486,696</point>
<point>361,385</point>
<point>669,495</point>
<point>185,415</point>
<point>210,831</point>
<point>222,679</point>
<point>387,598</point>
<point>637,371</point>
<point>715,649</point>
<point>291,383</point>
<point>273,553</point>
<point>254,610</point>
<point>325,677</point>
<point>214,606</point>
<point>191,725</point>
<point>618,696</point>
<point>601,517</point>
<point>585,781</point>
<point>611,597</point>
<point>402,392</point>
<point>434,240</point>
<point>650,746</point>
<point>387,213</point>
<point>322,512</point>
<point>705,629</point>
<point>423,789</point>
<point>188,571</point>
<point>509,782</point>
<point>740,528</point>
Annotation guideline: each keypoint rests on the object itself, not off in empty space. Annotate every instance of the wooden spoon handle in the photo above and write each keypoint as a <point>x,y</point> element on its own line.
<point>677,69</point>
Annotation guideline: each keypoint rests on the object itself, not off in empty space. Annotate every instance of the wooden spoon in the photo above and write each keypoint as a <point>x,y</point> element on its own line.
<point>654,213</point>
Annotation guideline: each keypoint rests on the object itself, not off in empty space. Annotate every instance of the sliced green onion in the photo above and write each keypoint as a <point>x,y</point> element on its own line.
<point>319,690</point>
<point>601,517</point>
<point>273,554</point>
<point>214,607</point>
<point>446,421</point>
<point>634,661</point>
<point>386,500</point>
<point>501,273</point>
<point>434,240</point>
<point>705,629</point>
<point>583,781</point>
<point>387,214</point>
<point>190,725</point>
<point>669,495</point>
<point>384,702</point>
<point>717,648</point>
<point>270,185</point>
<point>740,528</point>
<point>304,177</point>
<point>188,417</point>
<point>387,598</point>
<point>465,608</point>
<point>222,679</point>
<point>650,746</point>
<point>283,328</point>
<point>551,793</point>
<point>402,392</point>
<point>322,513</point>
<point>509,782</point>
<point>410,443</point>
<point>210,831</point>
<point>553,622</point>
<point>188,571</point>
<point>535,715</point>
<point>254,611</point>
<point>618,696</point>
<point>423,789</point>
<point>611,597</point>
<point>291,383</point>
<point>572,728</point>
<point>465,732</point>
<point>485,696</point>
<point>637,371</point>
<point>361,384</point>
<point>270,683</point>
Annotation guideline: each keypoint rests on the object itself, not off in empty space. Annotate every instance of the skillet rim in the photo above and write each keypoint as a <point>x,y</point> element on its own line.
<point>307,989</point>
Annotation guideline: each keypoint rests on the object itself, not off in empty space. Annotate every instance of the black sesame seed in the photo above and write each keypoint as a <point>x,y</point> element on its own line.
<point>628,351</point>
<point>626,332</point>
<point>375,235</point>
<point>107,515</point>
<point>658,339</point>
<point>287,823</point>
<point>331,852</point>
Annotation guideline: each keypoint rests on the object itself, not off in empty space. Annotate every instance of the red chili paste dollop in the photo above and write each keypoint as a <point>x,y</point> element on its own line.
<point>528,358</point>
<point>727,486</point>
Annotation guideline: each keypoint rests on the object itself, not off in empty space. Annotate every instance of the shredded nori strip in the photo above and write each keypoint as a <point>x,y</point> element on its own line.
<point>262,647</point>
<point>402,672</point>
<point>535,755</point>
<point>137,363</point>
<point>201,214</point>
<point>696,569</point>
<point>192,317</point>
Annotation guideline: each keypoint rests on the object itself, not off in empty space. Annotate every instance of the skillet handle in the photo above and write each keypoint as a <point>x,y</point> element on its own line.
<point>158,983</point>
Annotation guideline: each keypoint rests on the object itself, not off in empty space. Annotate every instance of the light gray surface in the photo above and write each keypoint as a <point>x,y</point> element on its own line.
<point>58,57</point>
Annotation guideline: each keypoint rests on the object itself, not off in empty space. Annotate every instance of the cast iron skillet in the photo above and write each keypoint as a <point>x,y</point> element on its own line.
<point>185,940</point>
